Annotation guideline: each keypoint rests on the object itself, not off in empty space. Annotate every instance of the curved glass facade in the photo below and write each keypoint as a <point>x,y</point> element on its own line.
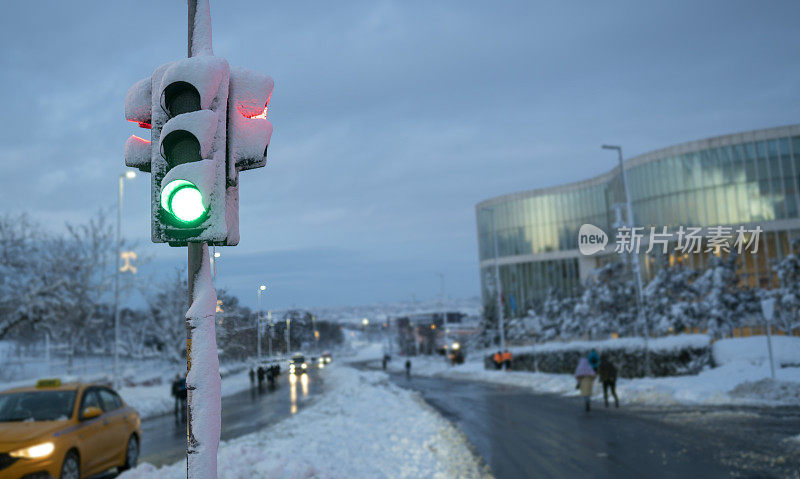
<point>741,179</point>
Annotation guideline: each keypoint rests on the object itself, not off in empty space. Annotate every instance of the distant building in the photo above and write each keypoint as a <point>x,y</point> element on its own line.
<point>748,179</point>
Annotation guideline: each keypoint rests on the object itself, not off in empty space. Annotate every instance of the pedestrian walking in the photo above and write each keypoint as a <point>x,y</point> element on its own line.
<point>176,394</point>
<point>408,368</point>
<point>608,377</point>
<point>506,357</point>
<point>585,375</point>
<point>594,359</point>
<point>498,360</point>
<point>183,394</point>
<point>260,373</point>
<point>252,374</point>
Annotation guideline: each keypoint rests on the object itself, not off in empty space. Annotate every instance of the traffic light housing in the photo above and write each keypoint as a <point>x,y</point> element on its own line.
<point>201,137</point>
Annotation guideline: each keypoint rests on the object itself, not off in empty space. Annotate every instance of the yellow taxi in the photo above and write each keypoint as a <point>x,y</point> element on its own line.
<point>65,431</point>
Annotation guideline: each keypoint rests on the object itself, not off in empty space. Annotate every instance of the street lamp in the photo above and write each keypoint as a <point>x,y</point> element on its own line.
<point>214,259</point>
<point>130,174</point>
<point>444,315</point>
<point>261,289</point>
<point>636,267</point>
<point>498,291</point>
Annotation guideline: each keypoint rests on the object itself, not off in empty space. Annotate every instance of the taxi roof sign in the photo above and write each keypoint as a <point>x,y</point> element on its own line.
<point>48,383</point>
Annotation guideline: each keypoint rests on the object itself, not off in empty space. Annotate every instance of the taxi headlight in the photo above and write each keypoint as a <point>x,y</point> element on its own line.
<point>34,452</point>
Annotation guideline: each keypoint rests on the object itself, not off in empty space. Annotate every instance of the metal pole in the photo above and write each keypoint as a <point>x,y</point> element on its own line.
<point>288,337</point>
<point>195,260</point>
<point>444,317</point>
<point>769,348</point>
<point>316,335</point>
<point>636,267</point>
<point>269,333</point>
<point>116,283</point>
<point>258,326</point>
<point>498,290</point>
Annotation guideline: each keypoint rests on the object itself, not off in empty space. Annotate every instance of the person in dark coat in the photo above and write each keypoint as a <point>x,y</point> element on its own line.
<point>408,368</point>
<point>183,394</point>
<point>260,374</point>
<point>176,393</point>
<point>608,377</point>
<point>252,377</point>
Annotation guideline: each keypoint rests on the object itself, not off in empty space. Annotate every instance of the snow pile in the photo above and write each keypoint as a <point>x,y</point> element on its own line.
<point>783,392</point>
<point>786,350</point>
<point>667,343</point>
<point>669,356</point>
<point>364,427</point>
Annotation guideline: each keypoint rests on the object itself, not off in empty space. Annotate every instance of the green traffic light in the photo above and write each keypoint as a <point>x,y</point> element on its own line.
<point>183,200</point>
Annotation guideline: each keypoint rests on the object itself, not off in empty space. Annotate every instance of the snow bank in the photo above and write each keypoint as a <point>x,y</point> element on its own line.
<point>667,343</point>
<point>668,356</point>
<point>786,350</point>
<point>364,427</point>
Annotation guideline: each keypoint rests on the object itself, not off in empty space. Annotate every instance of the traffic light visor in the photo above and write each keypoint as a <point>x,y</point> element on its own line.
<point>183,200</point>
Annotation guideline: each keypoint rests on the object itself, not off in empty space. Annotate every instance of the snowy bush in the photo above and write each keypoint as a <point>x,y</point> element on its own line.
<point>669,356</point>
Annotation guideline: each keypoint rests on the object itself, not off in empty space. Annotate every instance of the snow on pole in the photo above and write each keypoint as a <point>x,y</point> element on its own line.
<point>202,381</point>
<point>200,24</point>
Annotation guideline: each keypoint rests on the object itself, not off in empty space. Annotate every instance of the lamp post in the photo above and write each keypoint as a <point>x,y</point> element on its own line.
<point>636,266</point>
<point>130,174</point>
<point>261,289</point>
<point>288,334</point>
<point>498,291</point>
<point>269,333</point>
<point>214,258</point>
<point>444,317</point>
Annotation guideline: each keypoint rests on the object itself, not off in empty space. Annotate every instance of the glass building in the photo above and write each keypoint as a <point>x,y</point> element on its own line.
<point>748,179</point>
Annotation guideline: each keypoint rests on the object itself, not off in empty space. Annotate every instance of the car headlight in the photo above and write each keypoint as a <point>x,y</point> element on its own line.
<point>34,452</point>
<point>304,365</point>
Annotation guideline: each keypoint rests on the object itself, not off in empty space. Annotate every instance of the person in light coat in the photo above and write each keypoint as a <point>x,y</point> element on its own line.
<point>585,375</point>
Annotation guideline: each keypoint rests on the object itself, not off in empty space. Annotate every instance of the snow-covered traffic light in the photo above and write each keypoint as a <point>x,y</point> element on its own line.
<point>200,139</point>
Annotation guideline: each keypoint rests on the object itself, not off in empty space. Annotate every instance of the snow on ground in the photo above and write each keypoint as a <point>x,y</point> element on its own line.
<point>364,426</point>
<point>743,377</point>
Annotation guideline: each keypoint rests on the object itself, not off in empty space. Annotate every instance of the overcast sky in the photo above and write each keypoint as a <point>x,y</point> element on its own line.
<point>392,119</point>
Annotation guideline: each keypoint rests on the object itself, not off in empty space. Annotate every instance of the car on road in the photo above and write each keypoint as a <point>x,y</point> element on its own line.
<point>326,357</point>
<point>66,431</point>
<point>298,364</point>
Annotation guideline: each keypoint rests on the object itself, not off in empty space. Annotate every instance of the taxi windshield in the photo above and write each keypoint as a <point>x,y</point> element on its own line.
<point>36,406</point>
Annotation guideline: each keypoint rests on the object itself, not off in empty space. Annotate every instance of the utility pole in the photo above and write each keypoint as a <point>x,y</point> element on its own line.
<point>498,289</point>
<point>444,318</point>
<point>261,289</point>
<point>128,174</point>
<point>635,260</point>
<point>288,336</point>
<point>269,333</point>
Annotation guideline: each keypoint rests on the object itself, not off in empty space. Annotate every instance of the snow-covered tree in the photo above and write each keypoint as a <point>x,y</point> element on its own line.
<point>787,295</point>
<point>669,299</point>
<point>607,305</point>
<point>723,303</point>
<point>168,304</point>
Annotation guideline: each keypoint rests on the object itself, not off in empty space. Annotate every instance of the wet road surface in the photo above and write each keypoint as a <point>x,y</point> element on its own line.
<point>521,434</point>
<point>164,440</point>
